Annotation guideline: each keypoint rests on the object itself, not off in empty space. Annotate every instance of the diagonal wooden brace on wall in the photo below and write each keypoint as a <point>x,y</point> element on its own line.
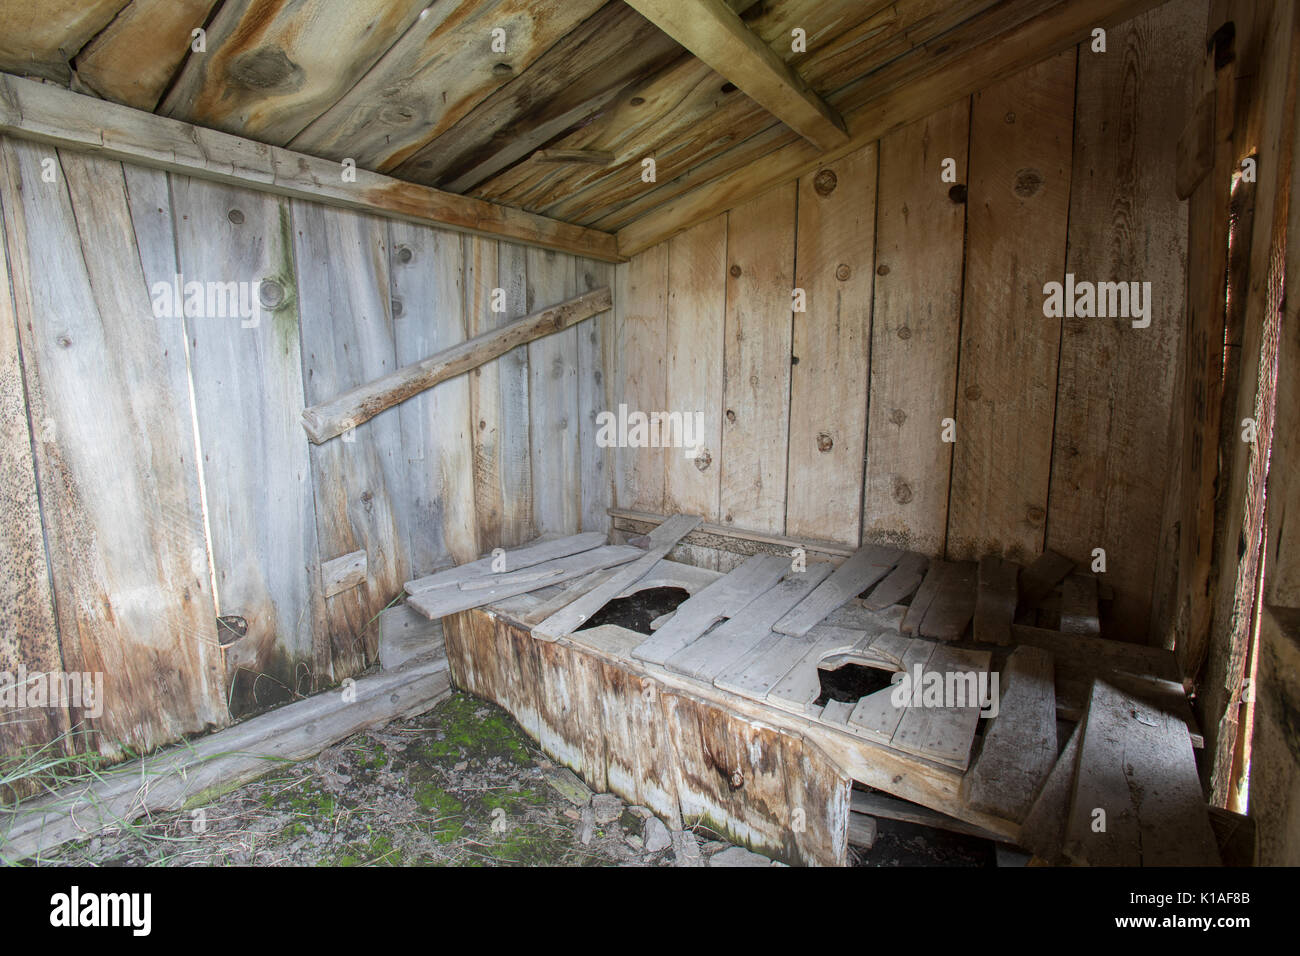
<point>330,419</point>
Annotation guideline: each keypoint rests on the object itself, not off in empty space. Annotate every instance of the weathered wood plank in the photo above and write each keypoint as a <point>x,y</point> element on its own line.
<point>876,717</point>
<point>716,650</point>
<point>45,113</point>
<point>40,38</point>
<point>756,396</point>
<point>1079,605</point>
<point>800,686</point>
<point>1100,652</point>
<point>915,328</point>
<point>342,573</point>
<point>899,583</point>
<point>924,598</point>
<point>337,415</point>
<point>697,312</point>
<point>1040,578</point>
<point>1111,461</point>
<point>995,604</point>
<point>835,268</point>
<point>569,618</point>
<point>425,270</point>
<point>553,397</point>
<point>1020,743</point>
<point>514,560</point>
<point>118,471</point>
<point>724,598</point>
<point>441,602</point>
<point>360,487</point>
<point>1136,764</point>
<point>954,604</point>
<point>596,465</point>
<point>867,566</point>
<point>1019,187</point>
<point>718,37</point>
<point>30,636</point>
<point>1044,828</point>
<point>641,347</point>
<point>943,734</point>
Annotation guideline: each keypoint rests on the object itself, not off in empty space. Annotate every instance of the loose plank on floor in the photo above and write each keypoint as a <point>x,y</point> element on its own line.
<point>1038,580</point>
<point>707,657</point>
<point>943,734</point>
<point>443,601</point>
<point>1079,605</point>
<point>662,539</point>
<point>723,598</point>
<point>867,566</point>
<point>1136,764</point>
<point>1044,827</point>
<point>899,583</point>
<point>954,604</point>
<point>995,601</point>
<point>925,596</point>
<point>516,560</point>
<point>1020,744</point>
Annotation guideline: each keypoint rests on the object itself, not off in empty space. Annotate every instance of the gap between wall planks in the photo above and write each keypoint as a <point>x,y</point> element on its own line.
<point>919,248</point>
<point>1116,382</point>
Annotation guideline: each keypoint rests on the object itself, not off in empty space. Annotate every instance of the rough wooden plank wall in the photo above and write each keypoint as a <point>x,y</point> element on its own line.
<point>118,480</point>
<point>1116,382</point>
<point>247,382</point>
<point>553,399</point>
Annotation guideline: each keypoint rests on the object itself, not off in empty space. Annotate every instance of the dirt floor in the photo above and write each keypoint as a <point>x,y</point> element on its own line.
<point>459,786</point>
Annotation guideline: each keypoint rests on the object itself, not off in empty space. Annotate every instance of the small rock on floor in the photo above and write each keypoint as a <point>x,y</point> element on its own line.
<point>587,826</point>
<point>686,849</point>
<point>738,856</point>
<point>657,836</point>
<point>606,807</point>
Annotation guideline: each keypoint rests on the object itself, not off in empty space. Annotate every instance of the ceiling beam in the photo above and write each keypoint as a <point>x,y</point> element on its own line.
<point>959,74</point>
<point>714,33</point>
<point>48,114</point>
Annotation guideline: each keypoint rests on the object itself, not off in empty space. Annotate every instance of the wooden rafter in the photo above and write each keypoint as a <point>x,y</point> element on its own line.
<point>45,113</point>
<point>715,34</point>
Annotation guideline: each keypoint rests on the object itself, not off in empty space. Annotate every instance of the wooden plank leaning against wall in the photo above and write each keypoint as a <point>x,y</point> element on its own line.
<point>958,330</point>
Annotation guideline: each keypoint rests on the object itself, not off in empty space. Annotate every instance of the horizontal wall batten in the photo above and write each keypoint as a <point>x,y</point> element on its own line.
<point>48,114</point>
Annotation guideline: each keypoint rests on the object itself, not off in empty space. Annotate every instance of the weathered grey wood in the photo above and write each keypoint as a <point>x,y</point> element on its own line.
<point>943,734</point>
<point>515,560</point>
<point>1097,652</point>
<point>335,416</point>
<point>662,540</point>
<point>867,566</point>
<point>995,602</point>
<point>359,485</point>
<point>596,484</point>
<point>564,596</point>
<point>190,774</point>
<point>886,807</point>
<point>1079,605</point>
<point>1136,764</point>
<point>248,389</point>
<point>727,538</point>
<point>1020,743</point>
<point>48,114</point>
<point>862,830</point>
<point>954,604</point>
<point>342,573</point>
<point>800,685</point>
<point>899,583</point>
<point>756,672</point>
<point>537,578</point>
<point>405,634</point>
<point>425,268</point>
<point>114,445</point>
<point>443,601</point>
<point>1044,826</point>
<point>837,711</point>
<point>925,596</point>
<point>714,651</point>
<point>1038,580</point>
<point>875,716</point>
<point>723,598</point>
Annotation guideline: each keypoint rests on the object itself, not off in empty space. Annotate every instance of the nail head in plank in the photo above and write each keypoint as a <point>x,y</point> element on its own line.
<point>867,566</point>
<point>725,597</point>
<point>1020,742</point>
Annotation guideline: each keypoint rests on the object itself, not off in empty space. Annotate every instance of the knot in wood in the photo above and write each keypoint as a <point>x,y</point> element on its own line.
<point>824,442</point>
<point>825,182</point>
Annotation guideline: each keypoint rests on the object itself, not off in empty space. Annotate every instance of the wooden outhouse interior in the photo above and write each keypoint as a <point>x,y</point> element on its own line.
<point>822,231</point>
